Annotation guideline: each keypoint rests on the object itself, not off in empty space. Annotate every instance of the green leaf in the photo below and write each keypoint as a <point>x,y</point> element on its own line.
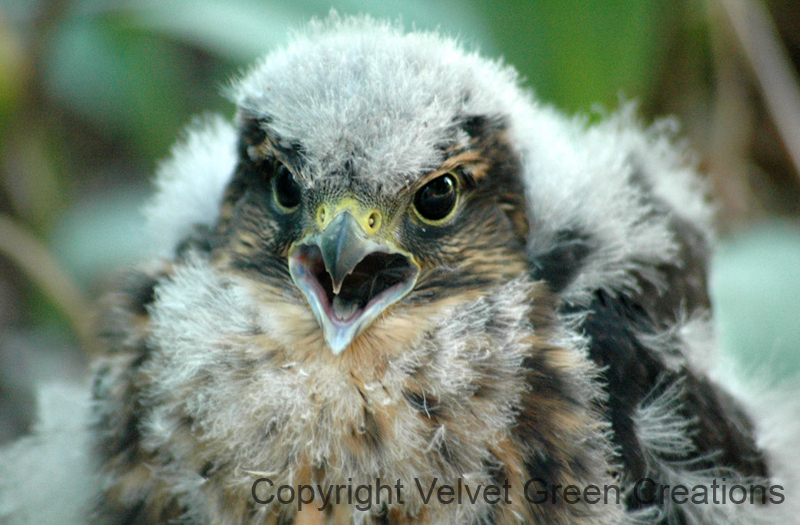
<point>575,53</point>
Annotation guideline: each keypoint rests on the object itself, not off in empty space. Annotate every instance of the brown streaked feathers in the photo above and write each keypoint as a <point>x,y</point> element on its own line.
<point>522,299</point>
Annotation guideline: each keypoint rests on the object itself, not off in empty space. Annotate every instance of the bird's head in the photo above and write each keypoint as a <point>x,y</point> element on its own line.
<point>372,180</point>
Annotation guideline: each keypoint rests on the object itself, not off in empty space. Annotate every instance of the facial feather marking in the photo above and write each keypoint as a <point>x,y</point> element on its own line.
<point>486,153</point>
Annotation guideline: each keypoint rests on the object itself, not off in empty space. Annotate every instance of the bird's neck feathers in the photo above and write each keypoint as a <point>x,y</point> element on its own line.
<point>383,410</point>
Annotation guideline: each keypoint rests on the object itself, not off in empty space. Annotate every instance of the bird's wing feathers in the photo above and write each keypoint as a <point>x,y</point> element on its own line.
<point>605,202</point>
<point>627,247</point>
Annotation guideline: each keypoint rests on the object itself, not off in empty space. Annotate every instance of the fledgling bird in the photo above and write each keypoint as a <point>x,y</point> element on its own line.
<point>396,264</point>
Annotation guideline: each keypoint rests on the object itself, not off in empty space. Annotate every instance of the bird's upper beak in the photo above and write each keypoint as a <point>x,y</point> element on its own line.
<point>349,276</point>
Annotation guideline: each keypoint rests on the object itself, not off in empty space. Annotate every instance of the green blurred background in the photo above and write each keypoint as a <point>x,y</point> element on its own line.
<point>92,94</point>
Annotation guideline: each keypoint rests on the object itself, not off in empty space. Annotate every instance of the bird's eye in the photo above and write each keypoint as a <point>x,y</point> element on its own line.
<point>437,199</point>
<point>286,190</point>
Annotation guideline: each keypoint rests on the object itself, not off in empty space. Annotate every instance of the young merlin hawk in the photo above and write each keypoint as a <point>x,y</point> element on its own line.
<point>398,269</point>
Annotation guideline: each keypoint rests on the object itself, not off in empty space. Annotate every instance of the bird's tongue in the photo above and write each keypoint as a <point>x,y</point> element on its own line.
<point>344,308</point>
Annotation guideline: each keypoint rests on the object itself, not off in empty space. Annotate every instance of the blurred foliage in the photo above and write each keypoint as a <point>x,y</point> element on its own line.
<point>756,289</point>
<point>583,54</point>
<point>93,92</point>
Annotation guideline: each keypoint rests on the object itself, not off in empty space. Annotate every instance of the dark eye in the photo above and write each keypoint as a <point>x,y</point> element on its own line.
<point>436,200</point>
<point>287,191</point>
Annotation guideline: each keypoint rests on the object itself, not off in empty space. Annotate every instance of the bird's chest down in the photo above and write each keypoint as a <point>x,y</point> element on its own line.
<point>235,427</point>
<point>315,443</point>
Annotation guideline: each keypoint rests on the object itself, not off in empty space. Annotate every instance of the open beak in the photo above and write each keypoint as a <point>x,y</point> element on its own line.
<point>349,278</point>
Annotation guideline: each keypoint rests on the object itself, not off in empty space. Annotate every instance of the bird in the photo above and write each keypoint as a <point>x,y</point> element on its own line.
<point>397,288</point>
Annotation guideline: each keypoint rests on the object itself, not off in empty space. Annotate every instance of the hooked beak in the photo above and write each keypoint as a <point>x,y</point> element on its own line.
<point>348,278</point>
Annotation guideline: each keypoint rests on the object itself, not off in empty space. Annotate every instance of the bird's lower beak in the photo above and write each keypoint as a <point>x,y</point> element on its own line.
<point>348,278</point>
